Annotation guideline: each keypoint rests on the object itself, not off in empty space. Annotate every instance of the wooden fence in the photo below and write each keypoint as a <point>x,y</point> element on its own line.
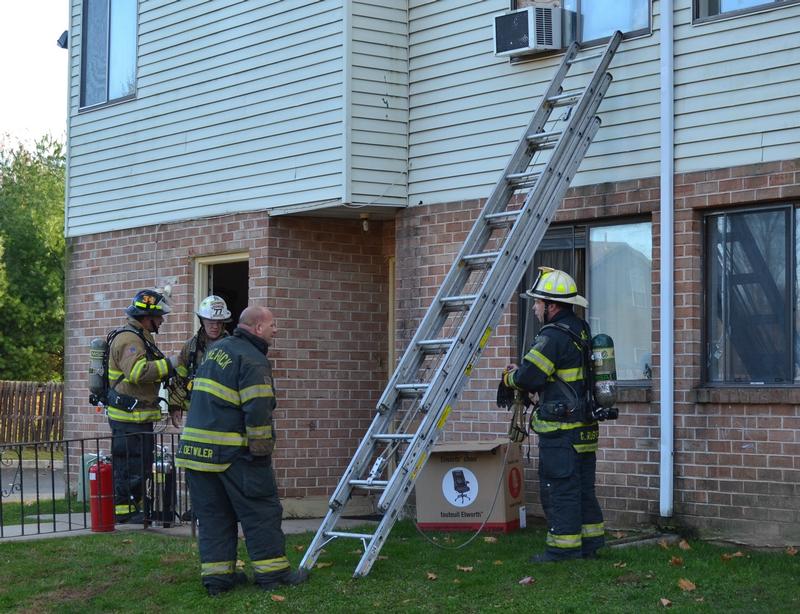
<point>31,411</point>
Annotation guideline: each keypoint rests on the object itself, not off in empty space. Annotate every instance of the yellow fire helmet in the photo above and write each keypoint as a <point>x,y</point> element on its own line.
<point>557,286</point>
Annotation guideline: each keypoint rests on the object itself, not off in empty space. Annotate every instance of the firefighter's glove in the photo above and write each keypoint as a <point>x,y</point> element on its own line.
<point>261,447</point>
<point>505,396</point>
<point>175,416</point>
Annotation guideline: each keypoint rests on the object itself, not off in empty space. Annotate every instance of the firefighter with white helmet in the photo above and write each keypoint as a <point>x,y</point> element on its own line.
<point>557,369</point>
<point>213,313</point>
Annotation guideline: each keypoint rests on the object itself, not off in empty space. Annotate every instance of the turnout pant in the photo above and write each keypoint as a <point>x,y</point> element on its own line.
<point>132,463</point>
<point>566,482</point>
<point>246,492</point>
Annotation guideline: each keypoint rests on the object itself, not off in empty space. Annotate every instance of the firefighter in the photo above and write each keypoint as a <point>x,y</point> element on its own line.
<point>213,314</point>
<point>556,369</point>
<point>226,449</point>
<point>136,368</point>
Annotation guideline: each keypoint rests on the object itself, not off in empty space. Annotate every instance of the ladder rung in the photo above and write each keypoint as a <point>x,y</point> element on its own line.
<point>411,390</point>
<point>544,136</point>
<point>344,534</point>
<point>435,345</point>
<point>459,303</point>
<point>532,174</point>
<point>567,98</point>
<point>584,58</point>
<point>482,260</point>
<point>504,218</point>
<point>392,437</point>
<point>370,484</point>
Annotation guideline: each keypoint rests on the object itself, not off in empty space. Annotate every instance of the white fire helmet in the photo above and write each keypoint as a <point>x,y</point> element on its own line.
<point>213,308</point>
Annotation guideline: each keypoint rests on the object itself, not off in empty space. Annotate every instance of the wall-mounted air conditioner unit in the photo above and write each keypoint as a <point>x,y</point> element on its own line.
<point>534,28</point>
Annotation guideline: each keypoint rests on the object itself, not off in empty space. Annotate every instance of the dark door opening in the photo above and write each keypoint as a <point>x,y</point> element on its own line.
<point>230,281</point>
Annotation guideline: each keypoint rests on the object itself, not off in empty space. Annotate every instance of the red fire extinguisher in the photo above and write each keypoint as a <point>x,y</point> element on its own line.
<point>101,496</point>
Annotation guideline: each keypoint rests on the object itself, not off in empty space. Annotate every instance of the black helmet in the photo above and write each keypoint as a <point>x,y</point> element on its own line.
<point>148,303</point>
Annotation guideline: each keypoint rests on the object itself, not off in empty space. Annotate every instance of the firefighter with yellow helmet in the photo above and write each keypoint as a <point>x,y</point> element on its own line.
<point>557,369</point>
<point>136,368</point>
<point>213,313</point>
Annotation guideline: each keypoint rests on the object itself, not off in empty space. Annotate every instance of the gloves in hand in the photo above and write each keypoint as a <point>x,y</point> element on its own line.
<point>261,447</point>
<point>505,395</point>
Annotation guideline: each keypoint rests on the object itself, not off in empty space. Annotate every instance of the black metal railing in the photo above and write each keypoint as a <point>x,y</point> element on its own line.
<point>46,486</point>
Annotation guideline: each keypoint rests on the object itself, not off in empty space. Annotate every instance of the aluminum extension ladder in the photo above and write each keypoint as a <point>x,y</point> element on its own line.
<point>440,358</point>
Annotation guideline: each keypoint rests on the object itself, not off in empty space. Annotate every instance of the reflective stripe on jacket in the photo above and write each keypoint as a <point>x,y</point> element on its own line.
<point>232,404</point>
<point>136,372</point>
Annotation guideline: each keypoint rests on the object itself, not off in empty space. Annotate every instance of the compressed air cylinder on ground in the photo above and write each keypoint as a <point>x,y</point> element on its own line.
<point>101,497</point>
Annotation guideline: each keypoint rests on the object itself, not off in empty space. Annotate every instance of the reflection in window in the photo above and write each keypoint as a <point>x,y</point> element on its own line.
<point>710,8</point>
<point>749,327</point>
<point>617,261</point>
<point>109,50</point>
<point>601,18</point>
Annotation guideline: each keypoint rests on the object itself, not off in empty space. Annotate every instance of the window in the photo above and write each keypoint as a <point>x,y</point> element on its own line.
<point>751,289</point>
<point>589,20</point>
<point>712,8</point>
<point>109,51</point>
<point>612,266</point>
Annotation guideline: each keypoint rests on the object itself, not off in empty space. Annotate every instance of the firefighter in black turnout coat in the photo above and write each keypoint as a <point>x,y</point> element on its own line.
<point>556,368</point>
<point>226,448</point>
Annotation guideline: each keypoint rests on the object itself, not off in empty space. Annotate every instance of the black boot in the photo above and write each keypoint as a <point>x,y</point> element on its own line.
<point>291,577</point>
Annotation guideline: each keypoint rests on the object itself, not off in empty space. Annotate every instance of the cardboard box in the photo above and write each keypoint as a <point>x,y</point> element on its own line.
<point>458,484</point>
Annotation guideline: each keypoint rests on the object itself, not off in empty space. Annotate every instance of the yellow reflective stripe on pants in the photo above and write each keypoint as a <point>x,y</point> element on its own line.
<point>541,361</point>
<point>583,448</point>
<point>258,391</point>
<point>203,384</point>
<point>259,432</point>
<point>217,437</point>
<point>593,530</point>
<point>271,565</point>
<point>563,541</point>
<point>137,415</point>
<point>187,463</point>
<point>124,508</point>
<point>217,569</point>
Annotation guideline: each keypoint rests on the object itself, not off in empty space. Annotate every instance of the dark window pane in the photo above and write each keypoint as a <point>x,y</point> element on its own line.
<point>95,51</point>
<point>749,335</point>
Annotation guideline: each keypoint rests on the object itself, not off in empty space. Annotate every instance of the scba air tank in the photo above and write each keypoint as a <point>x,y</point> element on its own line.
<point>605,371</point>
<point>97,370</point>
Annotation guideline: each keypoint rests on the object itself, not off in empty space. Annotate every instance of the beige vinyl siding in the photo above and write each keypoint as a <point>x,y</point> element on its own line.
<point>238,107</point>
<point>378,103</point>
<point>737,89</point>
<point>469,108</point>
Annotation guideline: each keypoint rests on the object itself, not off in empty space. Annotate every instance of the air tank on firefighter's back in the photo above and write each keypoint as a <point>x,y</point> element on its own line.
<point>97,371</point>
<point>605,371</point>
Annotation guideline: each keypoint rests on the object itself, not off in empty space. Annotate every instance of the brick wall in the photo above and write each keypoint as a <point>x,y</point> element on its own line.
<point>326,283</point>
<point>737,451</point>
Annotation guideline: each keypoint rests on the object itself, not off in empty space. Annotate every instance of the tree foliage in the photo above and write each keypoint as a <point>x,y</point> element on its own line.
<point>32,262</point>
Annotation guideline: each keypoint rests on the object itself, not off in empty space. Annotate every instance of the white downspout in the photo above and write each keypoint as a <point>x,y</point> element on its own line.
<point>667,379</point>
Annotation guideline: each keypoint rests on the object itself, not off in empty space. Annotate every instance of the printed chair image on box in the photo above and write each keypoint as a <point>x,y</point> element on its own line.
<point>461,485</point>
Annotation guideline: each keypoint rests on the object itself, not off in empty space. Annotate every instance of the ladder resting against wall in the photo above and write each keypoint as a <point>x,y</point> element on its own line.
<point>451,336</point>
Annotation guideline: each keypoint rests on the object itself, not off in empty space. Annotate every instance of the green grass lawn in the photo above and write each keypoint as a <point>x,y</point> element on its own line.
<point>31,513</point>
<point>140,571</point>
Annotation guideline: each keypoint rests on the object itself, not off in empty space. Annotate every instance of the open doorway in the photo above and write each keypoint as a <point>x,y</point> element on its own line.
<point>226,276</point>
